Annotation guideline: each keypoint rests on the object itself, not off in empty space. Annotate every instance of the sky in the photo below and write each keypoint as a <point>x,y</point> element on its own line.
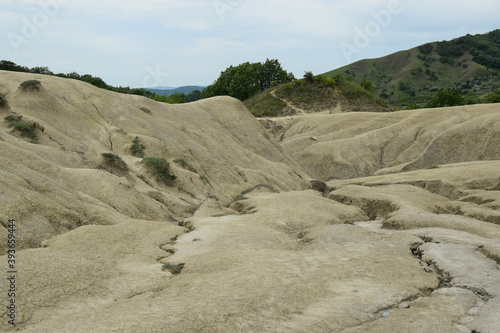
<point>174,43</point>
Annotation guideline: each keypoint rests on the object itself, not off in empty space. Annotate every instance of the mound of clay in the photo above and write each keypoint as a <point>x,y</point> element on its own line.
<point>362,144</point>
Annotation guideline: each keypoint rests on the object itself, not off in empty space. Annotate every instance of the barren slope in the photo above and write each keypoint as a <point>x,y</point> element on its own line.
<point>362,144</point>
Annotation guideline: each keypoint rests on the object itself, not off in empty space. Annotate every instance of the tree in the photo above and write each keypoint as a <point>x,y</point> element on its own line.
<point>309,77</point>
<point>176,98</point>
<point>193,96</point>
<point>367,85</point>
<point>247,79</point>
<point>446,97</point>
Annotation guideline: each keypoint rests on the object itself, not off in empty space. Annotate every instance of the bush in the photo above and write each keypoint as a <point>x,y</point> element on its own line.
<point>11,118</point>
<point>446,97</point>
<point>325,81</point>
<point>31,85</point>
<point>26,130</point>
<point>494,98</point>
<point>137,147</point>
<point>160,168</point>
<point>3,101</point>
<point>266,105</point>
<point>309,77</point>
<point>114,164</point>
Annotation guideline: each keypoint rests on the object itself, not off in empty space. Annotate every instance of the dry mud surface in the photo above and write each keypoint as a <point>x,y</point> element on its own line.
<point>352,222</point>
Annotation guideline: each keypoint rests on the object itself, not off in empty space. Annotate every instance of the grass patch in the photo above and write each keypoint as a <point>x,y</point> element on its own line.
<point>265,105</point>
<point>161,169</point>
<point>137,147</point>
<point>25,129</point>
<point>173,268</point>
<point>205,179</point>
<point>185,165</point>
<point>31,85</point>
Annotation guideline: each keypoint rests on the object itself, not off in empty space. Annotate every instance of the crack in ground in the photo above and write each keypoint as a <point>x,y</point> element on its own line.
<point>105,128</point>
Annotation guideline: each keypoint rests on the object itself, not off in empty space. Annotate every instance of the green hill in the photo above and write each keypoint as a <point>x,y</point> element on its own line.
<point>470,64</point>
<point>315,94</point>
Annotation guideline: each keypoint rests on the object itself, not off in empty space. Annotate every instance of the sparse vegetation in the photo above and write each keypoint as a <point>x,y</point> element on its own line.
<point>266,105</point>
<point>469,64</point>
<point>3,101</point>
<point>25,129</point>
<point>12,118</point>
<point>173,268</point>
<point>205,179</point>
<point>113,164</point>
<point>137,147</point>
<point>31,85</point>
<point>161,169</point>
<point>145,110</point>
<point>184,164</point>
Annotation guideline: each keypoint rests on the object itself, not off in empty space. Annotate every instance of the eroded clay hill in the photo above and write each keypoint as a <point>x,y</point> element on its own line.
<point>243,240</point>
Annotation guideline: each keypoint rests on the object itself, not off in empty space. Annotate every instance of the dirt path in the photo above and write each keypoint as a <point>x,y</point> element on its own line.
<point>290,105</point>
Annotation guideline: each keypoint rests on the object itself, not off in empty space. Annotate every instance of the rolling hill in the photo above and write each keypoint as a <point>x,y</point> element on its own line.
<point>470,64</point>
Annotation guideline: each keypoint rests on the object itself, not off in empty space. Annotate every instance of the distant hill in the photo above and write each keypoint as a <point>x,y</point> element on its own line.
<point>470,64</point>
<point>170,90</point>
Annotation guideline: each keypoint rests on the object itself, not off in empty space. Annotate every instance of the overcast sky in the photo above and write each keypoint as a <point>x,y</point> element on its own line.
<point>189,42</point>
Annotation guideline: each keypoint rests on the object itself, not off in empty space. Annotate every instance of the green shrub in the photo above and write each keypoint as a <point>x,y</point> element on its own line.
<point>494,98</point>
<point>11,118</point>
<point>3,101</point>
<point>137,147</point>
<point>309,77</point>
<point>110,156</point>
<point>25,129</point>
<point>173,268</point>
<point>145,110</point>
<point>161,169</point>
<point>114,164</point>
<point>31,85</point>
<point>325,81</point>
